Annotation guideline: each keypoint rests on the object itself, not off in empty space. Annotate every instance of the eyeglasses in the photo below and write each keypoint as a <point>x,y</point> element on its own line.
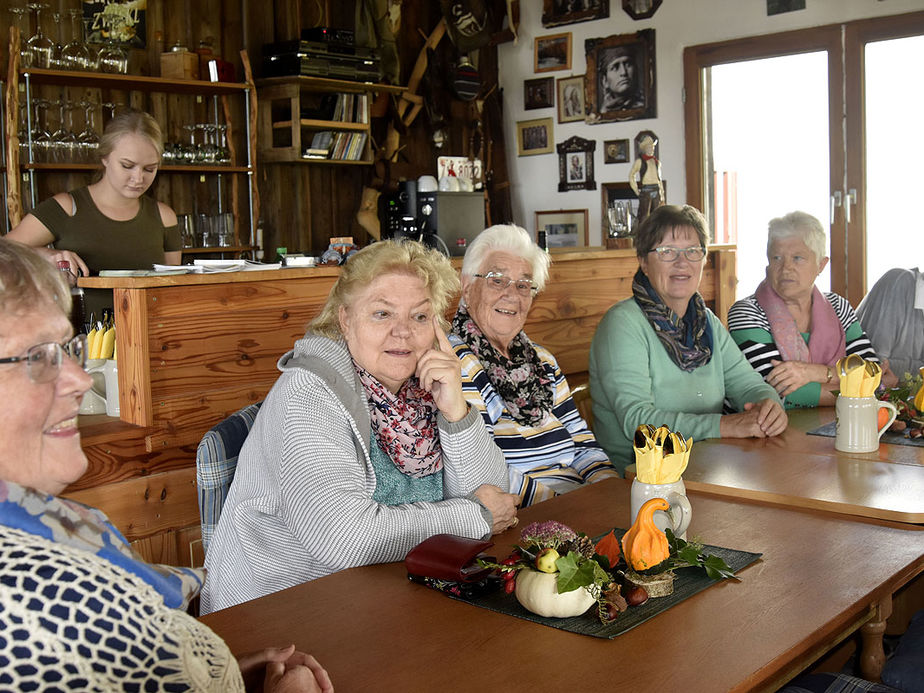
<point>668,253</point>
<point>499,282</point>
<point>43,361</point>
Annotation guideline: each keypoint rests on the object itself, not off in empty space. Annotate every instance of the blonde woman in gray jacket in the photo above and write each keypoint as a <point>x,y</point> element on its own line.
<point>365,446</point>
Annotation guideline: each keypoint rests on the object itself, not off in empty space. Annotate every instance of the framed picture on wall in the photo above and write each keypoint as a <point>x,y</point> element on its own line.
<point>539,93</point>
<point>564,228</point>
<point>620,79</point>
<point>576,164</point>
<point>570,99</point>
<point>615,151</point>
<point>552,52</point>
<point>640,9</point>
<point>534,137</point>
<point>558,12</point>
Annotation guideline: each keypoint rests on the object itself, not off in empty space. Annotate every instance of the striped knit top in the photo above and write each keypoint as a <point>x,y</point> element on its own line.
<point>301,505</point>
<point>546,460</point>
<point>750,328</point>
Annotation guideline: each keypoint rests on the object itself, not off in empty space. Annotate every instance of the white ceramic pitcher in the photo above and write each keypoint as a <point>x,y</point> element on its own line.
<point>110,372</point>
<point>856,420</point>
<point>676,496</point>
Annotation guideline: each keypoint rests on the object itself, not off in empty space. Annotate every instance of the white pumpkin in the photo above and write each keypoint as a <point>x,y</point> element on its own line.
<point>538,592</point>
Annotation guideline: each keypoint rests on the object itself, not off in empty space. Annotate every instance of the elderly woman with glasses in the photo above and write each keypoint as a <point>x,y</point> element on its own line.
<point>79,608</point>
<point>365,446</point>
<point>791,333</point>
<point>663,358</point>
<point>515,383</point>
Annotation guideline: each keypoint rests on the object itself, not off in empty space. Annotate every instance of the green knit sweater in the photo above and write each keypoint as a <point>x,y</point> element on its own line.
<point>633,381</point>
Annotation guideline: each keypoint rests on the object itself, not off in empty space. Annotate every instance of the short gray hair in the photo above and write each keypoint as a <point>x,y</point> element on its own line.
<point>511,239</point>
<point>799,225</point>
<point>28,282</point>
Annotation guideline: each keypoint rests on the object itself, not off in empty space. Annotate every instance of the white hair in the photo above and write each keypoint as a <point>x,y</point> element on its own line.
<point>511,239</point>
<point>799,225</point>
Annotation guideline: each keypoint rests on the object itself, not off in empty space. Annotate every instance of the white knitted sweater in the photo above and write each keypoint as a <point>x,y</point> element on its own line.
<point>301,503</point>
<point>71,620</point>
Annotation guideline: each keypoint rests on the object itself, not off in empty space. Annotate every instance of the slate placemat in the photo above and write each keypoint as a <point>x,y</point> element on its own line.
<point>891,437</point>
<point>688,582</point>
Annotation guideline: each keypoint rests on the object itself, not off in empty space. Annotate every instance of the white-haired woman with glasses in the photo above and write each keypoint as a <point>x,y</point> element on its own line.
<point>515,383</point>
<point>79,608</point>
<point>790,332</point>
<point>663,358</point>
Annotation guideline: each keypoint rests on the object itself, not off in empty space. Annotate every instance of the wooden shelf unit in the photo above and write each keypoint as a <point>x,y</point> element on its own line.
<point>243,197</point>
<point>283,135</point>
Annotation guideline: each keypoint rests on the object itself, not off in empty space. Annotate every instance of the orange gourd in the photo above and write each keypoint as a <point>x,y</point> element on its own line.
<point>644,545</point>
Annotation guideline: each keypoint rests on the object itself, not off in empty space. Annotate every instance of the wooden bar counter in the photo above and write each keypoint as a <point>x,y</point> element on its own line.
<point>193,349</point>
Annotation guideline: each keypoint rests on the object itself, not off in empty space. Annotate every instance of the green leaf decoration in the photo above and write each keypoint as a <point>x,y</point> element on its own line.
<point>575,571</point>
<point>690,554</point>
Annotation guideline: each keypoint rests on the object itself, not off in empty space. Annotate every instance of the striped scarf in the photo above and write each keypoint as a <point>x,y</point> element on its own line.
<point>688,339</point>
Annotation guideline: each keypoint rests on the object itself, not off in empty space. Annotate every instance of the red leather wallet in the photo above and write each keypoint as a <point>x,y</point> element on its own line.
<point>448,557</point>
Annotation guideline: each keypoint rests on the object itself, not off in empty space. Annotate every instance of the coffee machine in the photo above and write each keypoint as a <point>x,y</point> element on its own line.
<point>447,221</point>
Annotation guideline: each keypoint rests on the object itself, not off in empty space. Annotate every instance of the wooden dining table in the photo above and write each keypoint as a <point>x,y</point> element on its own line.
<point>803,470</point>
<point>822,576</point>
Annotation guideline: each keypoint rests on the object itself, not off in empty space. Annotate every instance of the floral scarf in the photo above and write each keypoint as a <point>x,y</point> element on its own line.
<point>827,341</point>
<point>688,339</point>
<point>404,424</point>
<point>521,380</point>
<point>81,527</point>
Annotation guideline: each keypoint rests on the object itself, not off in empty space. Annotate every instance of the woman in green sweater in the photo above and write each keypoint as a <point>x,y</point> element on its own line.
<point>662,357</point>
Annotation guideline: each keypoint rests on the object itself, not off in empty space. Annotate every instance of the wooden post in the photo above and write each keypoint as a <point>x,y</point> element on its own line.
<point>13,192</point>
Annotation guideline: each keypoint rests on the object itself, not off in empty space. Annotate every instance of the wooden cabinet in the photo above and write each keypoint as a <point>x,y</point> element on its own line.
<point>208,187</point>
<point>293,110</point>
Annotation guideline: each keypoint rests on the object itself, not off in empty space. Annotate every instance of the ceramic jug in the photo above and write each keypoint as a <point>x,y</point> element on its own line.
<point>676,496</point>
<point>856,420</point>
<point>110,372</point>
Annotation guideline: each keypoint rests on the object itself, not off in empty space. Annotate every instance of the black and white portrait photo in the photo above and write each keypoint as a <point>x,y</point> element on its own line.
<point>620,79</point>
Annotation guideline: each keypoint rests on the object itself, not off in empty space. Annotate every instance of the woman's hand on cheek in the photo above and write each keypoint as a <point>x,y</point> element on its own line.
<point>440,372</point>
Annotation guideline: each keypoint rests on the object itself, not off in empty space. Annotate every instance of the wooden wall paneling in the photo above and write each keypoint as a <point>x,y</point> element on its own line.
<point>287,17</point>
<point>128,458</point>
<point>147,505</point>
<point>134,375</point>
<point>184,420</point>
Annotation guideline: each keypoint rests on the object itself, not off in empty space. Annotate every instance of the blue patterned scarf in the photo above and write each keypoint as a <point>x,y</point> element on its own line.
<point>87,529</point>
<point>688,339</point>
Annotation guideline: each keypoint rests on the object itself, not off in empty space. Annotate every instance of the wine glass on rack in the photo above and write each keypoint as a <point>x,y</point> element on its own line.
<point>21,20</point>
<point>23,131</point>
<point>57,62</point>
<point>75,55</point>
<point>64,140</point>
<point>92,51</point>
<point>88,138</point>
<point>224,153</point>
<point>190,150</point>
<point>41,138</point>
<point>112,58</point>
<point>40,46</point>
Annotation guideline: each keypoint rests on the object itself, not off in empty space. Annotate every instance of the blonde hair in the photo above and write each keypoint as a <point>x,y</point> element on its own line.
<point>28,281</point>
<point>387,257</point>
<point>130,122</point>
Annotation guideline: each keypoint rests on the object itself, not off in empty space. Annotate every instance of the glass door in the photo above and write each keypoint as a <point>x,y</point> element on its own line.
<point>768,140</point>
<point>755,142</point>
<point>885,146</point>
<point>770,152</point>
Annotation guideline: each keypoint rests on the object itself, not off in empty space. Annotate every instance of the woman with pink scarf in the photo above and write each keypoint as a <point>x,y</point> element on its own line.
<point>790,332</point>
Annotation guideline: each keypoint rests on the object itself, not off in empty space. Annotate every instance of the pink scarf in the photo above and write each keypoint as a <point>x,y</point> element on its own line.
<point>404,424</point>
<point>826,342</point>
